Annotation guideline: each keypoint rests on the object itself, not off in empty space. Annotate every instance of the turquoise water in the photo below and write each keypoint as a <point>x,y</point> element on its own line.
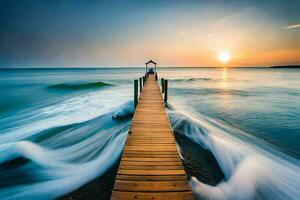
<point>262,102</point>
<point>60,128</point>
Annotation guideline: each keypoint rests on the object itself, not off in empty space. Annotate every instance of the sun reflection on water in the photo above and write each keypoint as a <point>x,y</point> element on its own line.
<point>224,83</point>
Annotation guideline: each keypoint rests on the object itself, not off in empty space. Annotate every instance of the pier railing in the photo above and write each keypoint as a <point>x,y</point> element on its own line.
<point>139,84</point>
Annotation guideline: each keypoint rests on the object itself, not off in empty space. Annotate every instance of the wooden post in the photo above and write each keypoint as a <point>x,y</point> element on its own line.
<point>141,84</point>
<point>136,92</point>
<point>144,80</point>
<point>162,82</point>
<point>155,76</point>
<point>166,91</point>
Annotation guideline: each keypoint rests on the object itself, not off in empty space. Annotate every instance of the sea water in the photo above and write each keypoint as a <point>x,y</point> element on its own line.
<point>61,128</point>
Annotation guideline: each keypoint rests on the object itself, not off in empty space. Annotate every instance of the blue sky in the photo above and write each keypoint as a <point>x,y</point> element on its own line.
<point>126,33</point>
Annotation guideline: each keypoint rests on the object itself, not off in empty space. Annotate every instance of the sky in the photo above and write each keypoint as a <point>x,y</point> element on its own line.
<point>90,33</point>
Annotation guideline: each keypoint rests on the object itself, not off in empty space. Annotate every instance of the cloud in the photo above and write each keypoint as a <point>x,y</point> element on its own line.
<point>292,26</point>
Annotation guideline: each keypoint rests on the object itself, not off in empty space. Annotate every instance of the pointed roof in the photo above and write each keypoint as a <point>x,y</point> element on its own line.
<point>151,61</point>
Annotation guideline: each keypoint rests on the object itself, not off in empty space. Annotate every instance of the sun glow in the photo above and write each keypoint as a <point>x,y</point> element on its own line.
<point>224,56</point>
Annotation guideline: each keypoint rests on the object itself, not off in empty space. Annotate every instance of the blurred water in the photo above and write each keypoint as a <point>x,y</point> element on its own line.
<point>57,129</point>
<point>249,120</point>
<point>262,102</point>
<point>60,128</point>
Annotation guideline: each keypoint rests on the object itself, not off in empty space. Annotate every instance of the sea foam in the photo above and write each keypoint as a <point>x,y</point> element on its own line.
<point>252,168</point>
<point>63,147</point>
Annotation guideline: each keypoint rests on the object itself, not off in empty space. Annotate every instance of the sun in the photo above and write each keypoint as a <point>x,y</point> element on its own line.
<point>224,56</point>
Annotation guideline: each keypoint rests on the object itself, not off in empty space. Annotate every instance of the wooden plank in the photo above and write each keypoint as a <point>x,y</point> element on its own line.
<point>149,142</point>
<point>150,136</point>
<point>153,147</point>
<point>152,155</point>
<point>136,139</point>
<point>142,128</point>
<point>152,178</point>
<point>120,195</point>
<point>151,163</point>
<point>148,148</point>
<point>152,167</point>
<point>148,152</point>
<point>152,172</point>
<point>149,159</point>
<point>151,186</point>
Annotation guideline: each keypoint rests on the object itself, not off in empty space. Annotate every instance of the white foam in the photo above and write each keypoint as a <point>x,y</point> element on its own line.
<point>74,110</point>
<point>253,170</point>
<point>61,177</point>
<point>67,157</point>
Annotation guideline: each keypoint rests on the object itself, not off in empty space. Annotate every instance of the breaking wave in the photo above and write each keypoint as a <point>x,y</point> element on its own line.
<point>190,79</point>
<point>53,151</point>
<point>78,86</point>
<point>252,168</point>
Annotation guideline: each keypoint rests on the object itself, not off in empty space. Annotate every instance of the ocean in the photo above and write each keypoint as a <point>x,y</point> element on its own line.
<point>61,128</point>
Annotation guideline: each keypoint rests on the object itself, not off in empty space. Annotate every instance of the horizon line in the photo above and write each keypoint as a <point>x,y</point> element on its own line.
<point>116,67</point>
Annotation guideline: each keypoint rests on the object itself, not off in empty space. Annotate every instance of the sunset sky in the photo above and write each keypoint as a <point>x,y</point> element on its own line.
<point>126,33</point>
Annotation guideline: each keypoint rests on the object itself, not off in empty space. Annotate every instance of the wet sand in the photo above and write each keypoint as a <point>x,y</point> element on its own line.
<point>197,162</point>
<point>99,189</point>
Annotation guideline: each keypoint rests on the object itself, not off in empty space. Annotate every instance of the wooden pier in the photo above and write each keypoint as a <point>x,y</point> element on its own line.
<point>150,166</point>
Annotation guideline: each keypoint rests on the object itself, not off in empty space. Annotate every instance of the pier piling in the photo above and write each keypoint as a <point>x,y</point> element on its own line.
<point>136,92</point>
<point>162,83</point>
<point>141,85</point>
<point>166,91</point>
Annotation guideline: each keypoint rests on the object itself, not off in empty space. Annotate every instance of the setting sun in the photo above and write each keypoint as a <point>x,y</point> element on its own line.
<point>224,57</point>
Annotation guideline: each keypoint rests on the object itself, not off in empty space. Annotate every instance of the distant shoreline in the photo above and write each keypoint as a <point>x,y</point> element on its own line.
<point>286,66</point>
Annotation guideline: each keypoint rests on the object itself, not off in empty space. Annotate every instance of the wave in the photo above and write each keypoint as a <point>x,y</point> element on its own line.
<point>190,79</point>
<point>252,168</point>
<point>212,91</point>
<point>60,160</point>
<point>22,125</point>
<point>78,86</point>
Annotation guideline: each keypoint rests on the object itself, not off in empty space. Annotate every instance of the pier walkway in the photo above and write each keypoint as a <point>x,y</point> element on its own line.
<point>150,166</point>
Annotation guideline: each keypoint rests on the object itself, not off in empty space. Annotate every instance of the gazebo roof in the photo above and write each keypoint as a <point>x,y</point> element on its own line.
<point>151,61</point>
